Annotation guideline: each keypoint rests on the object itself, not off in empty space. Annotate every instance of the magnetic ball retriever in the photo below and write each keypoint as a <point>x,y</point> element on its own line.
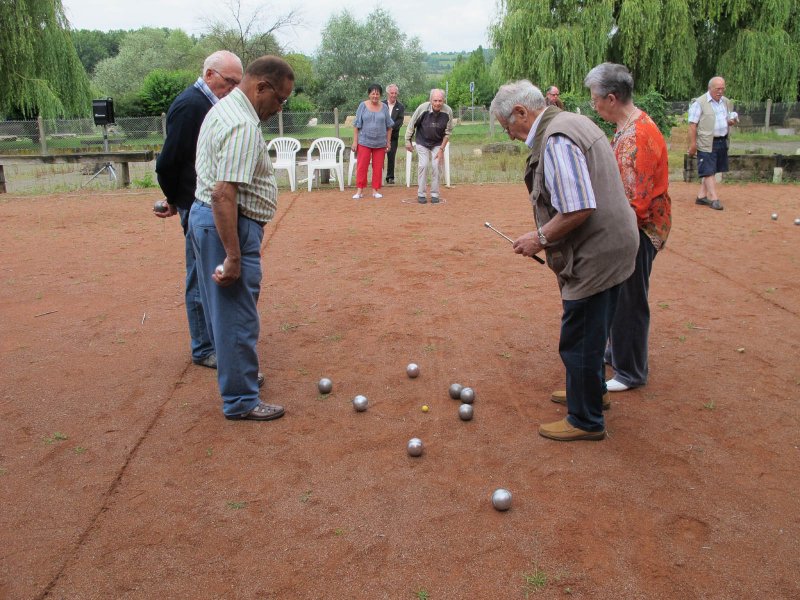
<point>455,391</point>
<point>415,447</point>
<point>501,499</point>
<point>360,403</point>
<point>325,386</point>
<point>412,370</point>
<point>161,206</point>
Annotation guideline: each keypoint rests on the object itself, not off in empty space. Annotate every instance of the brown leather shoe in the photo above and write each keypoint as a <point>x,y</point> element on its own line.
<point>262,412</point>
<point>560,397</point>
<point>563,431</point>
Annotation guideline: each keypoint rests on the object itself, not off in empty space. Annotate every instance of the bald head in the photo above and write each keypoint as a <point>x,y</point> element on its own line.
<point>222,71</point>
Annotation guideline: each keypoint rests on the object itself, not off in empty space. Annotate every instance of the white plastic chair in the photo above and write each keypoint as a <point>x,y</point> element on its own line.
<point>286,150</point>
<point>351,167</point>
<point>330,155</point>
<point>410,158</point>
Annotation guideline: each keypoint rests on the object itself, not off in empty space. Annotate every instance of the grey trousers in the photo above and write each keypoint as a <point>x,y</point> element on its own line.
<point>428,158</point>
<point>626,351</point>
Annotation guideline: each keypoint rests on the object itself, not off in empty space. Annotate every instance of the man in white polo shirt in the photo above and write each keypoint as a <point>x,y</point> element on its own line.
<point>236,196</point>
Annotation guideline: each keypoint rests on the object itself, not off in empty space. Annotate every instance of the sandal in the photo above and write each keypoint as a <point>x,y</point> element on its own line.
<point>262,412</point>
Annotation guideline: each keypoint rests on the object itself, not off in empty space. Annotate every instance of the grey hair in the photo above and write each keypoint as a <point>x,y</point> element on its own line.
<point>433,91</point>
<point>521,92</point>
<point>610,78</point>
<point>392,85</point>
<point>710,81</point>
<point>218,60</point>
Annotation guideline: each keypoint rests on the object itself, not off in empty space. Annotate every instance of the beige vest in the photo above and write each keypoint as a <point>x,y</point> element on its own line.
<point>601,252</point>
<point>705,126</point>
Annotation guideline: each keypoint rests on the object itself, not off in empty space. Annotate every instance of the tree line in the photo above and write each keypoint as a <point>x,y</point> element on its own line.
<point>672,47</point>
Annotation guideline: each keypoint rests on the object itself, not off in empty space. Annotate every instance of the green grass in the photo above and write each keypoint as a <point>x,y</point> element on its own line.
<point>534,581</point>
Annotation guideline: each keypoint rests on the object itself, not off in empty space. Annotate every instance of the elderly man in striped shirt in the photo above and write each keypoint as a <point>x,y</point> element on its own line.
<point>236,196</point>
<point>586,227</point>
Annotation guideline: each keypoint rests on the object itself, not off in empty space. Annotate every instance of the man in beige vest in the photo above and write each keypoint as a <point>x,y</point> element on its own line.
<point>710,118</point>
<point>588,231</point>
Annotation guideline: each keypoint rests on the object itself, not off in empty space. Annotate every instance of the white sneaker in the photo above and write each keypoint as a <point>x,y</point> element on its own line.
<point>357,196</point>
<point>377,195</point>
<point>615,386</point>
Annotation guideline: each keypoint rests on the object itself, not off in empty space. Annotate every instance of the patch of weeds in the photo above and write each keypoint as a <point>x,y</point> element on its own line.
<point>367,280</point>
<point>334,337</point>
<point>505,354</point>
<point>305,496</point>
<point>771,290</point>
<point>303,371</point>
<point>79,450</point>
<point>209,452</point>
<point>416,312</point>
<point>430,348</point>
<point>56,437</point>
<point>534,581</point>
<point>289,326</point>
<point>663,305</point>
<point>709,405</point>
<point>681,338</point>
<point>146,181</point>
<point>236,505</point>
<point>3,471</point>
<point>690,325</point>
<point>422,594</point>
<point>184,404</point>
<point>38,295</point>
<point>338,531</point>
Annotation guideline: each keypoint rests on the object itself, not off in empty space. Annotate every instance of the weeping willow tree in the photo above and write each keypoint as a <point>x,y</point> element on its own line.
<point>552,42</point>
<point>672,46</point>
<point>41,71</point>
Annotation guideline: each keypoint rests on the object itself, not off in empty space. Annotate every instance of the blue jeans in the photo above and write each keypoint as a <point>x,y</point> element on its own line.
<point>202,343</point>
<point>231,312</point>
<point>585,326</point>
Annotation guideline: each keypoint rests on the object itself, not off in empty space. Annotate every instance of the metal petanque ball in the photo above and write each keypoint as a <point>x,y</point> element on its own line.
<point>219,270</point>
<point>465,412</point>
<point>774,216</point>
<point>415,447</point>
<point>325,385</point>
<point>412,370</point>
<point>467,395</point>
<point>455,391</point>
<point>360,403</point>
<point>160,206</point>
<point>797,221</point>
<point>501,499</point>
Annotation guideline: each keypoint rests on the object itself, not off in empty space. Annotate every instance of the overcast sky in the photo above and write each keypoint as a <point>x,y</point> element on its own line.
<point>441,25</point>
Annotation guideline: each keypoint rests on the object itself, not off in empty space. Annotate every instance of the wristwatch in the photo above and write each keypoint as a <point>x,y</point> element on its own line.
<point>542,239</point>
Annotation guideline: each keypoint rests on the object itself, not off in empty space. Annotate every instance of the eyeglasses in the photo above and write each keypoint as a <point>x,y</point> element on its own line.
<point>593,102</point>
<point>281,100</point>
<point>229,80</point>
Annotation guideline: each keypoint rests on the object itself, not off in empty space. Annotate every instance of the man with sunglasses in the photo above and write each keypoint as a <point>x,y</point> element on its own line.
<point>236,196</point>
<point>222,71</point>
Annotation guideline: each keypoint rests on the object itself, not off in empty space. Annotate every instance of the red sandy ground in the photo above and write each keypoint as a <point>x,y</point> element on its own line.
<point>119,478</point>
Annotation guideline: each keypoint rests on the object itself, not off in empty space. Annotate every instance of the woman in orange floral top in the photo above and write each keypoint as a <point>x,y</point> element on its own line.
<point>642,158</point>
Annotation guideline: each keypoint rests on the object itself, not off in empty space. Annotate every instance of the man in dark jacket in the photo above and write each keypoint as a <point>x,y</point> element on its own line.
<point>222,71</point>
<point>397,111</point>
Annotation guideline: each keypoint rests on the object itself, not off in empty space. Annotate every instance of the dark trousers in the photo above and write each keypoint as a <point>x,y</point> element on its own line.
<point>585,326</point>
<point>627,348</point>
<point>390,160</point>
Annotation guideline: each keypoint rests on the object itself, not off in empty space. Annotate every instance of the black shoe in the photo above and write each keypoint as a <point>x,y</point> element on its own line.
<point>262,412</point>
<point>389,180</point>
<point>716,205</point>
<point>422,199</point>
<point>702,201</point>
<point>434,199</point>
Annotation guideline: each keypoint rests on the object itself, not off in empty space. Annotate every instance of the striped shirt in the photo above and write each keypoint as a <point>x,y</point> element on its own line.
<point>566,175</point>
<point>720,115</point>
<point>231,149</point>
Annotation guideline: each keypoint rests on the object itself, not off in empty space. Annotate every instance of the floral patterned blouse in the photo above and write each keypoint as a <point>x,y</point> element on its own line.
<point>642,159</point>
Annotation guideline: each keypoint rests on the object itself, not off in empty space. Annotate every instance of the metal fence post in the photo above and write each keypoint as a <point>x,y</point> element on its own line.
<point>766,118</point>
<point>280,123</point>
<point>336,119</point>
<point>42,138</point>
<point>164,125</point>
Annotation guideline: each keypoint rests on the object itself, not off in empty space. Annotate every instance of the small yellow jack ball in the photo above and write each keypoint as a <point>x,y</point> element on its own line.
<point>425,408</point>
